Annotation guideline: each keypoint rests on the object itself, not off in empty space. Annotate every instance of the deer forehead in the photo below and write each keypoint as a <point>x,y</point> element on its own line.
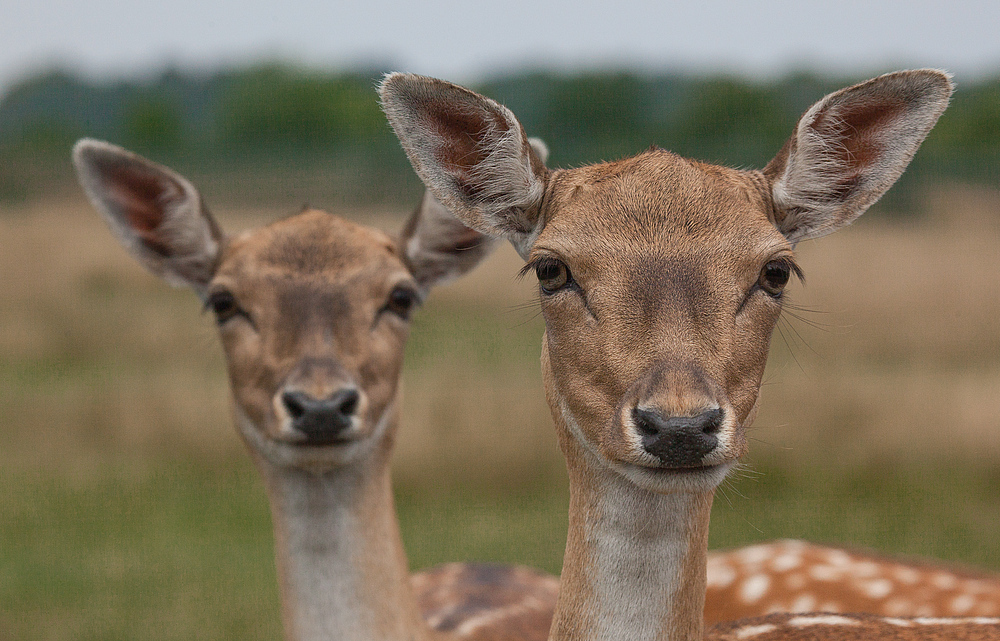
<point>311,272</point>
<point>658,207</point>
<point>657,232</point>
<point>313,244</point>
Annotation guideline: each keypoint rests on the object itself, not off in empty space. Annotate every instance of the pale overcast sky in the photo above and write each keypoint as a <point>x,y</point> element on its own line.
<point>464,40</point>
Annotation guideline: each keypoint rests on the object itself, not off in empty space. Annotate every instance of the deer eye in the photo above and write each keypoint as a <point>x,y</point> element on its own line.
<point>401,302</point>
<point>552,274</point>
<point>774,276</point>
<point>223,305</point>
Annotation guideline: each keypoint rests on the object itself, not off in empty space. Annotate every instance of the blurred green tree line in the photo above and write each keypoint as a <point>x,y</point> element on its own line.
<point>276,117</point>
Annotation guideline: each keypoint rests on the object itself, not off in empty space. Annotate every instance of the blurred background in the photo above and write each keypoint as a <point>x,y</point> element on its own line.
<point>128,508</point>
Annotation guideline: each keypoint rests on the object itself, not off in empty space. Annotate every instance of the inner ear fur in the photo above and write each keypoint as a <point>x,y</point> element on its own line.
<point>470,152</point>
<point>850,147</point>
<point>438,247</point>
<point>157,215</point>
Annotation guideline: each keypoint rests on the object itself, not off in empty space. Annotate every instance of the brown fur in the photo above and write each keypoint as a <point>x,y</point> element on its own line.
<point>667,312</point>
<point>491,602</point>
<point>314,314</point>
<point>795,576</point>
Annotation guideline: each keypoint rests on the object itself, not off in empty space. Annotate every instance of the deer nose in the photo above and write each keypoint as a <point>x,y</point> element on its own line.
<point>678,441</point>
<point>321,420</point>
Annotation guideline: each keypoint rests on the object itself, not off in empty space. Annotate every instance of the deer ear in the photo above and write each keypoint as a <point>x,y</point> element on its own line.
<point>850,147</point>
<point>471,153</point>
<point>438,246</point>
<point>157,215</point>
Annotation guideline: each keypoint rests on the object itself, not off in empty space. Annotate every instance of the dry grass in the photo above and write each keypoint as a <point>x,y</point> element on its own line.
<point>101,362</point>
<point>896,353</point>
<point>129,510</point>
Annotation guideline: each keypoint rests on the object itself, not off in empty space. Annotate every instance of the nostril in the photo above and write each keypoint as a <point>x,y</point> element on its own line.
<point>711,420</point>
<point>295,404</point>
<point>346,402</point>
<point>646,422</point>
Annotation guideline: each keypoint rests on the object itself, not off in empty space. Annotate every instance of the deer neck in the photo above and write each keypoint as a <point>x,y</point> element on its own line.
<point>341,565</point>
<point>635,560</point>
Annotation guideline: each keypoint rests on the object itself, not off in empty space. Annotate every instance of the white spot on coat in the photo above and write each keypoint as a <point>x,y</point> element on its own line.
<point>786,562</point>
<point>754,588</point>
<point>803,603</point>
<point>825,572</point>
<point>876,588</point>
<point>720,575</point>
<point>824,619</point>
<point>907,575</point>
<point>755,554</point>
<point>962,603</point>
<point>944,581</point>
<point>755,630</point>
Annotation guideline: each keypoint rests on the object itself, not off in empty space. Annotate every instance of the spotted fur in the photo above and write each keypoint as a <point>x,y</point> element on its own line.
<point>487,602</point>
<point>796,576</point>
<point>654,350</point>
<point>855,627</point>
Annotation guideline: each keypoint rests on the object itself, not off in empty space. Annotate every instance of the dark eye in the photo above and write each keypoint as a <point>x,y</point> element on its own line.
<point>401,302</point>
<point>552,274</point>
<point>774,277</point>
<point>223,305</point>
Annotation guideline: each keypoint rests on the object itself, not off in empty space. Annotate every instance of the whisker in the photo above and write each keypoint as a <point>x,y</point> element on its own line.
<point>747,471</point>
<point>730,484</point>
<point>800,337</point>
<point>823,327</point>
<point>725,495</point>
<point>788,346</point>
<point>534,303</point>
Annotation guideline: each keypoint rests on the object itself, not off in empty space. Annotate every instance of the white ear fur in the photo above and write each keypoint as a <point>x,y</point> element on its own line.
<point>156,214</point>
<point>470,152</point>
<point>540,149</point>
<point>850,147</point>
<point>438,247</point>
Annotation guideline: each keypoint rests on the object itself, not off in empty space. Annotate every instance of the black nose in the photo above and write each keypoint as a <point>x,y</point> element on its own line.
<point>679,441</point>
<point>321,420</point>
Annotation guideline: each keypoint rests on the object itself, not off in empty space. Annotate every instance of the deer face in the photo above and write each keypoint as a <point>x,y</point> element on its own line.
<point>660,278</point>
<point>313,310</point>
<point>660,281</point>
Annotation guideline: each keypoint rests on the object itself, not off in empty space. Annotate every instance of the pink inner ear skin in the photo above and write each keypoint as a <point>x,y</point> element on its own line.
<point>860,128</point>
<point>460,134</point>
<point>138,196</point>
<point>461,139</point>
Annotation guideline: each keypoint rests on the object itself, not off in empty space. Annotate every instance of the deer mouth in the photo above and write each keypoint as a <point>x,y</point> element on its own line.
<point>325,440</point>
<point>660,478</point>
<point>685,469</point>
<point>682,470</point>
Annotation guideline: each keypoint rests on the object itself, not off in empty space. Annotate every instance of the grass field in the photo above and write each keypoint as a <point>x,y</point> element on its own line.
<point>128,509</point>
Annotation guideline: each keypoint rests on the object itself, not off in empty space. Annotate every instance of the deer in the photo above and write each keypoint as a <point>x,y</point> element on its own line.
<point>153,211</point>
<point>801,577</point>
<point>660,282</point>
<point>313,314</point>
